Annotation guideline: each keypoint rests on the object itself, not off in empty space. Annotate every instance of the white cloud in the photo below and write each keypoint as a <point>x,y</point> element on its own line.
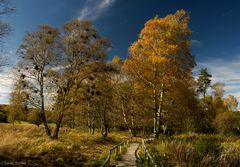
<point>6,81</point>
<point>225,70</point>
<point>93,9</point>
<point>6,76</point>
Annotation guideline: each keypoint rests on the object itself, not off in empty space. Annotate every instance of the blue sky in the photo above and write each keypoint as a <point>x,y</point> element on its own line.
<point>215,25</point>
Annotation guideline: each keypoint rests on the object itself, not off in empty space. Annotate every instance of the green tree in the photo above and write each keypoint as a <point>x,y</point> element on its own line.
<point>228,123</point>
<point>103,101</point>
<point>203,81</point>
<point>34,117</point>
<point>18,107</point>
<point>3,113</point>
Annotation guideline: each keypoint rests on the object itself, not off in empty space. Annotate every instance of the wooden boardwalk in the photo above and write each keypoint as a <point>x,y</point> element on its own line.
<point>129,159</point>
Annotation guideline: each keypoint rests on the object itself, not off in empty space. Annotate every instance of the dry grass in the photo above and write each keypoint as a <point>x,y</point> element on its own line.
<point>198,150</point>
<point>27,145</point>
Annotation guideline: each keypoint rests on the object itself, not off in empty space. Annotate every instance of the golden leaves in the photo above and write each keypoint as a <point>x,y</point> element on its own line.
<point>162,54</point>
<point>163,40</point>
<point>157,59</point>
<point>127,64</point>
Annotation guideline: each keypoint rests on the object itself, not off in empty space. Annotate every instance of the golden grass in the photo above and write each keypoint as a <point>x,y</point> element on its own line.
<point>28,143</point>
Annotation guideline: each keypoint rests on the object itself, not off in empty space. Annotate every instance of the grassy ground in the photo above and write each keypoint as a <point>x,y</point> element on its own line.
<point>198,150</point>
<point>27,145</point>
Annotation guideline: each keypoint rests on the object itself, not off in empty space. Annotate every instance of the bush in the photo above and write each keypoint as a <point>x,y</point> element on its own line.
<point>54,147</point>
<point>207,145</point>
<point>181,153</point>
<point>196,150</point>
<point>34,118</point>
<point>173,153</point>
<point>3,117</point>
<point>203,122</point>
<point>230,155</point>
<point>228,123</point>
<point>159,154</point>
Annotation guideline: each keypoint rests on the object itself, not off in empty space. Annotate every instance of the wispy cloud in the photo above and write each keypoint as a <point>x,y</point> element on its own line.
<point>197,43</point>
<point>230,12</point>
<point>225,70</point>
<point>93,9</point>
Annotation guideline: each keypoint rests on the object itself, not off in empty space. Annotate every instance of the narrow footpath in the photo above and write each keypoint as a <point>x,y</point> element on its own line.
<point>129,159</point>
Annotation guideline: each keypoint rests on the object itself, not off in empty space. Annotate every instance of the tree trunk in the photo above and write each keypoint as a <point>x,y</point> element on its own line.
<point>47,129</point>
<point>133,128</point>
<point>159,124</point>
<point>89,123</point>
<point>58,125</point>
<point>104,131</point>
<point>73,119</point>
<point>93,129</point>
<point>42,113</point>
<point>44,120</point>
<point>105,125</point>
<point>93,124</point>
<point>155,108</point>
<point>125,118</point>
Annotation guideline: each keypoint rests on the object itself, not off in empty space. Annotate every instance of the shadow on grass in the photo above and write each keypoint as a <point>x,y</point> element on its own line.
<point>102,141</point>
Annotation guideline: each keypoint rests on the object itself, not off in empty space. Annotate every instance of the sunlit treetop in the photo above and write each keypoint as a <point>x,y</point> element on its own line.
<point>164,41</point>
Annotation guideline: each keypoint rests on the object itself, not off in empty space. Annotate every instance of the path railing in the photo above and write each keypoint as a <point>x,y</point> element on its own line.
<point>114,151</point>
<point>137,156</point>
<point>146,155</point>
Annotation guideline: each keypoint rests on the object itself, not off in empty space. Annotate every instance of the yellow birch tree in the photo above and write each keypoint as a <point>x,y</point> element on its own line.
<point>160,60</point>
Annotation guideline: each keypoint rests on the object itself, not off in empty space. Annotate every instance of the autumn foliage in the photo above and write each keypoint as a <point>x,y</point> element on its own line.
<point>66,78</point>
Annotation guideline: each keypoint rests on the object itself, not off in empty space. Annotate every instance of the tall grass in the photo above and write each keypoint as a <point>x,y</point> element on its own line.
<point>197,150</point>
<point>28,143</point>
